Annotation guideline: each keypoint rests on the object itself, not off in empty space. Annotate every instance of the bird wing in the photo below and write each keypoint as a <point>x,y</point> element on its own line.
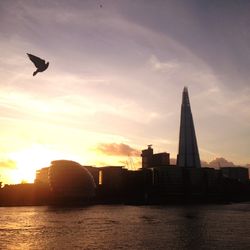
<point>36,60</point>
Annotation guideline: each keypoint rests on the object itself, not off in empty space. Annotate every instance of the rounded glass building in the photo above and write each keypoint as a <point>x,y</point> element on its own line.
<point>70,180</point>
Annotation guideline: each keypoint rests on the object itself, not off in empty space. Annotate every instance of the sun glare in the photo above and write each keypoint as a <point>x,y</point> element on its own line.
<point>31,159</point>
<point>38,156</point>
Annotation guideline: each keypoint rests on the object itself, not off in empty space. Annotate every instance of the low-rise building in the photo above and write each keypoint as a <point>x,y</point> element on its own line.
<point>42,176</point>
<point>237,173</point>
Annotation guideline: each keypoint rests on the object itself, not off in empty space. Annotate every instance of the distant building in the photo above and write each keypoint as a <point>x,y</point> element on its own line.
<point>18,194</point>
<point>149,159</point>
<point>188,155</point>
<point>236,173</point>
<point>111,183</point>
<point>194,180</point>
<point>211,178</point>
<point>111,177</point>
<point>42,176</point>
<point>168,180</point>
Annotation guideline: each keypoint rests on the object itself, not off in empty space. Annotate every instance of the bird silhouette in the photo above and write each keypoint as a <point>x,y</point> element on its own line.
<point>39,63</point>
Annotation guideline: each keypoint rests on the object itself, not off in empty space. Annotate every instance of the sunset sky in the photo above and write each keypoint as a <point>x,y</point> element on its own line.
<point>115,80</point>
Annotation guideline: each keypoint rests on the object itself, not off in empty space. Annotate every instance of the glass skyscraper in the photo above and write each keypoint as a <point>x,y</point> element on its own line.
<point>188,155</point>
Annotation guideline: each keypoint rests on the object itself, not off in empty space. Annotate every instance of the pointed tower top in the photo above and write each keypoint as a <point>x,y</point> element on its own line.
<point>185,98</point>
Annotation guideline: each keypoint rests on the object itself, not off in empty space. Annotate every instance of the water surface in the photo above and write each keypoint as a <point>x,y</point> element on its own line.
<point>126,227</point>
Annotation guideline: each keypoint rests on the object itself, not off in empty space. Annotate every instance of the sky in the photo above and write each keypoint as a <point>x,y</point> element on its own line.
<point>115,80</point>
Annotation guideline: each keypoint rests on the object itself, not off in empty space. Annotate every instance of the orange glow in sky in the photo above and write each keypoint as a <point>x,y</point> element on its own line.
<point>29,160</point>
<point>115,79</point>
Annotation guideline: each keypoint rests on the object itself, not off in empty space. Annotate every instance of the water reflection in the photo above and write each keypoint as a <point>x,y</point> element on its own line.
<point>192,227</point>
<point>126,227</point>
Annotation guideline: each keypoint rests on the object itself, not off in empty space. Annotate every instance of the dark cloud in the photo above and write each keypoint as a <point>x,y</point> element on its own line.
<point>116,149</point>
<point>10,164</point>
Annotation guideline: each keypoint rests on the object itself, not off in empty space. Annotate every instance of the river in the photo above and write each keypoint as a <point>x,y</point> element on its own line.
<point>126,227</point>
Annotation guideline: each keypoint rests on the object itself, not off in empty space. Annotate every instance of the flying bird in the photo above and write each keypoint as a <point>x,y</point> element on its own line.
<point>39,63</point>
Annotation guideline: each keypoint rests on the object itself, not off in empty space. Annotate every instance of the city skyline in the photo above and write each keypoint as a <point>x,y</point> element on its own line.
<point>115,80</point>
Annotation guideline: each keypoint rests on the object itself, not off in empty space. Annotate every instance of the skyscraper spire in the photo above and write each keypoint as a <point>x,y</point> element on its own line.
<point>188,155</point>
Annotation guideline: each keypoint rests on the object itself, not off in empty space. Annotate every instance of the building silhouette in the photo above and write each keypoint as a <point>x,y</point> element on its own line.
<point>149,159</point>
<point>70,181</point>
<point>188,155</point>
<point>236,173</point>
<point>42,176</point>
<point>67,182</point>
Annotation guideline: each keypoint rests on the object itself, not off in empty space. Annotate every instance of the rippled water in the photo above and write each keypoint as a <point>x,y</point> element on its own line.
<point>126,227</point>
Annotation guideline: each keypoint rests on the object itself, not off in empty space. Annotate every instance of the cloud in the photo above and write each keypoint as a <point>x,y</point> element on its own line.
<point>221,162</point>
<point>157,65</point>
<point>126,71</point>
<point>217,163</point>
<point>205,164</point>
<point>116,149</point>
<point>10,164</point>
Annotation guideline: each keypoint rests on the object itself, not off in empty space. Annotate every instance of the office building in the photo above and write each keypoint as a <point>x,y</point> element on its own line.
<point>236,173</point>
<point>188,155</point>
<point>149,159</point>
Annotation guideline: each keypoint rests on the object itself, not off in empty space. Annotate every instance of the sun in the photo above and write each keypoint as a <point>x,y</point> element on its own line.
<point>31,159</point>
